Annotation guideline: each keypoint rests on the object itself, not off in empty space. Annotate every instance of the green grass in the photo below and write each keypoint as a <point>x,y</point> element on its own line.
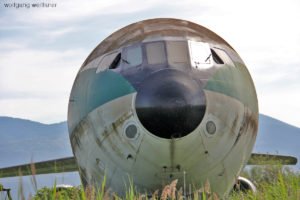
<point>272,182</point>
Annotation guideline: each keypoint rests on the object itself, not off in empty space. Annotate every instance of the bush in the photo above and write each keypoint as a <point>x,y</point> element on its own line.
<point>71,193</point>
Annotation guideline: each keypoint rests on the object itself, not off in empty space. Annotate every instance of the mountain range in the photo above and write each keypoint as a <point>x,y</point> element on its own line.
<point>23,141</point>
<point>277,137</point>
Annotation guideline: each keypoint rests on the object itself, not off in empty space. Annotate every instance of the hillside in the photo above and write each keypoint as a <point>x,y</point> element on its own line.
<point>277,137</point>
<point>23,140</point>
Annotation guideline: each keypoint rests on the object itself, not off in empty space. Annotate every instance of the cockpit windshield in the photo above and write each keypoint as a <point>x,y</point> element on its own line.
<point>177,54</point>
<point>156,53</point>
<point>132,56</point>
<point>200,54</point>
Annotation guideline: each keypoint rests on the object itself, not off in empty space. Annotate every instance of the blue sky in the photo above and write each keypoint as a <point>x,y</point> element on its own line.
<point>41,49</point>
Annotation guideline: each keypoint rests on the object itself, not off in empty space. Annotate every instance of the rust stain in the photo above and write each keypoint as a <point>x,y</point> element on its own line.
<point>78,132</point>
<point>85,124</point>
<point>75,138</point>
<point>249,124</point>
<point>251,120</point>
<point>172,152</point>
<point>83,176</point>
<point>113,128</point>
<point>234,124</point>
<point>254,123</point>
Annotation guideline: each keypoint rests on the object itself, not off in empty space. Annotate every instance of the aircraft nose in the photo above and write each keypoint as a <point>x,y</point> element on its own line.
<point>170,104</point>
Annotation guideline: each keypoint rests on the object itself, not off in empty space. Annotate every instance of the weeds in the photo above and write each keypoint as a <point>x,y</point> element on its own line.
<point>273,183</point>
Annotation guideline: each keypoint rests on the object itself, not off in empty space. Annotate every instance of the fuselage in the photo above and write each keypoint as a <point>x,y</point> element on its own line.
<point>159,100</point>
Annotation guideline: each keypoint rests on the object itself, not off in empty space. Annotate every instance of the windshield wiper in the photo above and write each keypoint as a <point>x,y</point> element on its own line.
<point>207,58</point>
<point>126,61</point>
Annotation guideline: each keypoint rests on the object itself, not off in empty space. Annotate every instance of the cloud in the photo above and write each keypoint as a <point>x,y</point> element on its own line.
<point>43,110</point>
<point>36,84</point>
<point>74,10</point>
<point>281,103</point>
<point>58,33</point>
<point>42,49</point>
<point>45,73</point>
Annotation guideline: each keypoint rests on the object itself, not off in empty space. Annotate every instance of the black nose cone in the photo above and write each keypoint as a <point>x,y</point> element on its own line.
<point>170,104</point>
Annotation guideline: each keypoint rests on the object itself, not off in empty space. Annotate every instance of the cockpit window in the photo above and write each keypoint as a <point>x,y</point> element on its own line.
<point>223,55</point>
<point>216,57</point>
<point>177,53</point>
<point>110,61</point>
<point>201,56</point>
<point>155,52</point>
<point>115,63</point>
<point>132,56</point>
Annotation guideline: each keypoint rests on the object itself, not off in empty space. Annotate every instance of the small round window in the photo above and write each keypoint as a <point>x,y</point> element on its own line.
<point>211,127</point>
<point>131,131</point>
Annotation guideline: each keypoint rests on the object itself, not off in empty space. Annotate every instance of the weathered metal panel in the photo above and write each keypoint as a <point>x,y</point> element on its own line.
<point>92,90</point>
<point>100,145</point>
<point>234,82</point>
